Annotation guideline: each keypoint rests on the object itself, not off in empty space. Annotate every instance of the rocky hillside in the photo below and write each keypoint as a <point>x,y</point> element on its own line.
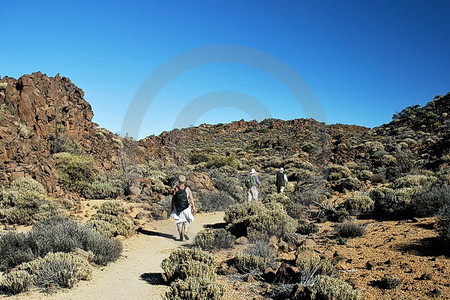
<point>41,116</point>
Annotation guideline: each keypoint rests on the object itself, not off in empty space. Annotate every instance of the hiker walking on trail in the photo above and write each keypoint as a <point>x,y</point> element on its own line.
<point>252,183</point>
<point>281,181</point>
<point>183,207</point>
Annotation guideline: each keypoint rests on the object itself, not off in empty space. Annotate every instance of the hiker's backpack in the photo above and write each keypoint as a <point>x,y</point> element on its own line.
<point>181,199</point>
<point>249,182</point>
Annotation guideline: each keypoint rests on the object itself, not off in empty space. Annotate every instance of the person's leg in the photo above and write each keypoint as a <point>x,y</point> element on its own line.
<point>255,194</point>
<point>281,189</point>
<point>249,195</point>
<point>278,189</point>
<point>180,229</point>
<point>185,229</point>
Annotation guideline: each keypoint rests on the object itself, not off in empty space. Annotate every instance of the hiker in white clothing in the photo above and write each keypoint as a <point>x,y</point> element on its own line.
<point>252,183</point>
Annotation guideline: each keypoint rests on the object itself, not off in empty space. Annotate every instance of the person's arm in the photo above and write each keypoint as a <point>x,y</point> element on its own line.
<point>257,180</point>
<point>285,178</point>
<point>175,189</point>
<point>191,199</point>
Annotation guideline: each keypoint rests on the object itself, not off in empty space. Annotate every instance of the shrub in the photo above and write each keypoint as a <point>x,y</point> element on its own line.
<point>227,183</point>
<point>444,224</point>
<point>350,230</point>
<point>258,220</point>
<point>26,184</point>
<point>388,282</point>
<point>347,184</point>
<point>330,288</point>
<point>103,189</point>
<point>307,228</point>
<point>110,225</point>
<point>113,208</point>
<point>26,202</point>
<point>359,203</point>
<point>215,201</point>
<point>365,174</point>
<point>195,288</point>
<point>58,269</point>
<point>256,258</point>
<point>16,282</point>
<point>411,181</point>
<point>65,235</point>
<point>311,267</point>
<point>76,170</point>
<point>429,202</point>
<point>173,265</point>
<point>387,202</point>
<point>15,248</point>
<point>210,239</point>
<point>279,198</point>
<point>337,172</point>
<point>62,143</point>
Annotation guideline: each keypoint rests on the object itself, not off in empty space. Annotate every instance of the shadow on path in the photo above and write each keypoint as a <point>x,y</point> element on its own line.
<point>153,278</point>
<point>155,233</point>
<point>216,225</point>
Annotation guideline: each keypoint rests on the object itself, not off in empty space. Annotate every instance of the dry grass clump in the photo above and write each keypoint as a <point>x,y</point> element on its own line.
<point>255,259</point>
<point>16,282</point>
<point>258,221</point>
<point>350,230</point>
<point>313,266</point>
<point>359,203</point>
<point>26,202</point>
<point>331,288</point>
<point>103,189</point>
<point>210,239</point>
<point>110,220</point>
<point>192,275</point>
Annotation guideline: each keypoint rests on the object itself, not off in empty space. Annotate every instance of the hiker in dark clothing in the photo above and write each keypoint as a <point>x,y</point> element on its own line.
<point>183,207</point>
<point>281,181</point>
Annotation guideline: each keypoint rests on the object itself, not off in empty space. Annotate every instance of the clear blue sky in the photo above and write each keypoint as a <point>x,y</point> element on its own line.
<point>364,60</point>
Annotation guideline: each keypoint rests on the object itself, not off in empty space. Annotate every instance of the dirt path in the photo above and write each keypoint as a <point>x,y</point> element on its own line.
<point>142,257</point>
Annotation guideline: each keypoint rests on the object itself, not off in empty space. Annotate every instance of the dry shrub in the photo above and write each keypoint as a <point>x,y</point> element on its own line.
<point>330,288</point>
<point>195,288</point>
<point>210,239</point>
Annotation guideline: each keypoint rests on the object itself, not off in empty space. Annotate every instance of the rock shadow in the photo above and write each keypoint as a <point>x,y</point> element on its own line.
<point>430,246</point>
<point>153,278</point>
<point>216,225</point>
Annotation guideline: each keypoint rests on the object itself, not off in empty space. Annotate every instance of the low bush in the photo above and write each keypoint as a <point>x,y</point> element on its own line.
<point>411,181</point>
<point>210,239</point>
<point>76,170</point>
<point>389,202</point>
<point>429,202</point>
<point>16,282</point>
<point>444,224</point>
<point>258,221</point>
<point>347,184</point>
<point>215,200</point>
<point>175,266</point>
<point>195,288</point>
<point>359,203</point>
<point>58,270</point>
<point>307,228</point>
<point>56,235</point>
<point>103,189</point>
<point>350,230</point>
<point>26,202</point>
<point>256,258</point>
<point>110,220</point>
<point>337,172</point>
<point>61,143</point>
<point>330,288</point>
<point>311,267</point>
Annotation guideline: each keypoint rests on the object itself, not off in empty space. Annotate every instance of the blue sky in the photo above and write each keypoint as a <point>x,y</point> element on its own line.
<point>363,60</point>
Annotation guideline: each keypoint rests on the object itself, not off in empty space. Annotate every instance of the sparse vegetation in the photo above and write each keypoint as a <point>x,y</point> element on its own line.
<point>255,259</point>
<point>331,288</point>
<point>210,239</point>
<point>110,220</point>
<point>350,230</point>
<point>76,170</point>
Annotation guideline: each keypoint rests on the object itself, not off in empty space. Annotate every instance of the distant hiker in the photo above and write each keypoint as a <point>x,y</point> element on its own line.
<point>281,181</point>
<point>251,182</point>
<point>183,207</point>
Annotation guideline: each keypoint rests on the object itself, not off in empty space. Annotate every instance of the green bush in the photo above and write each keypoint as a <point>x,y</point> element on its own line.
<point>388,282</point>
<point>56,235</point>
<point>210,239</point>
<point>174,265</point>
<point>113,208</point>
<point>411,181</point>
<point>257,220</point>
<point>110,225</point>
<point>58,269</point>
<point>390,202</point>
<point>255,259</point>
<point>16,282</point>
<point>337,172</point>
<point>103,189</point>
<point>350,230</point>
<point>330,288</point>
<point>76,170</point>
<point>444,224</point>
<point>195,288</point>
<point>215,200</point>
<point>307,228</point>
<point>313,266</point>
<point>359,203</point>
<point>62,143</point>
<point>429,202</point>
<point>26,202</point>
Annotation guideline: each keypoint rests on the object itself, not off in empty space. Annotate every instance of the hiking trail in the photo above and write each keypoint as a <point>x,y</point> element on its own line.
<point>130,277</point>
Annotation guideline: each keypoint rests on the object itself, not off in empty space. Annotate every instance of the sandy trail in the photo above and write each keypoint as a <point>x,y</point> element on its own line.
<point>142,256</point>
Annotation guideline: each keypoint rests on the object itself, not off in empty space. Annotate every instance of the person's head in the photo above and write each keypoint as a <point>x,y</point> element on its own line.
<point>181,179</point>
<point>281,170</point>
<point>253,171</point>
